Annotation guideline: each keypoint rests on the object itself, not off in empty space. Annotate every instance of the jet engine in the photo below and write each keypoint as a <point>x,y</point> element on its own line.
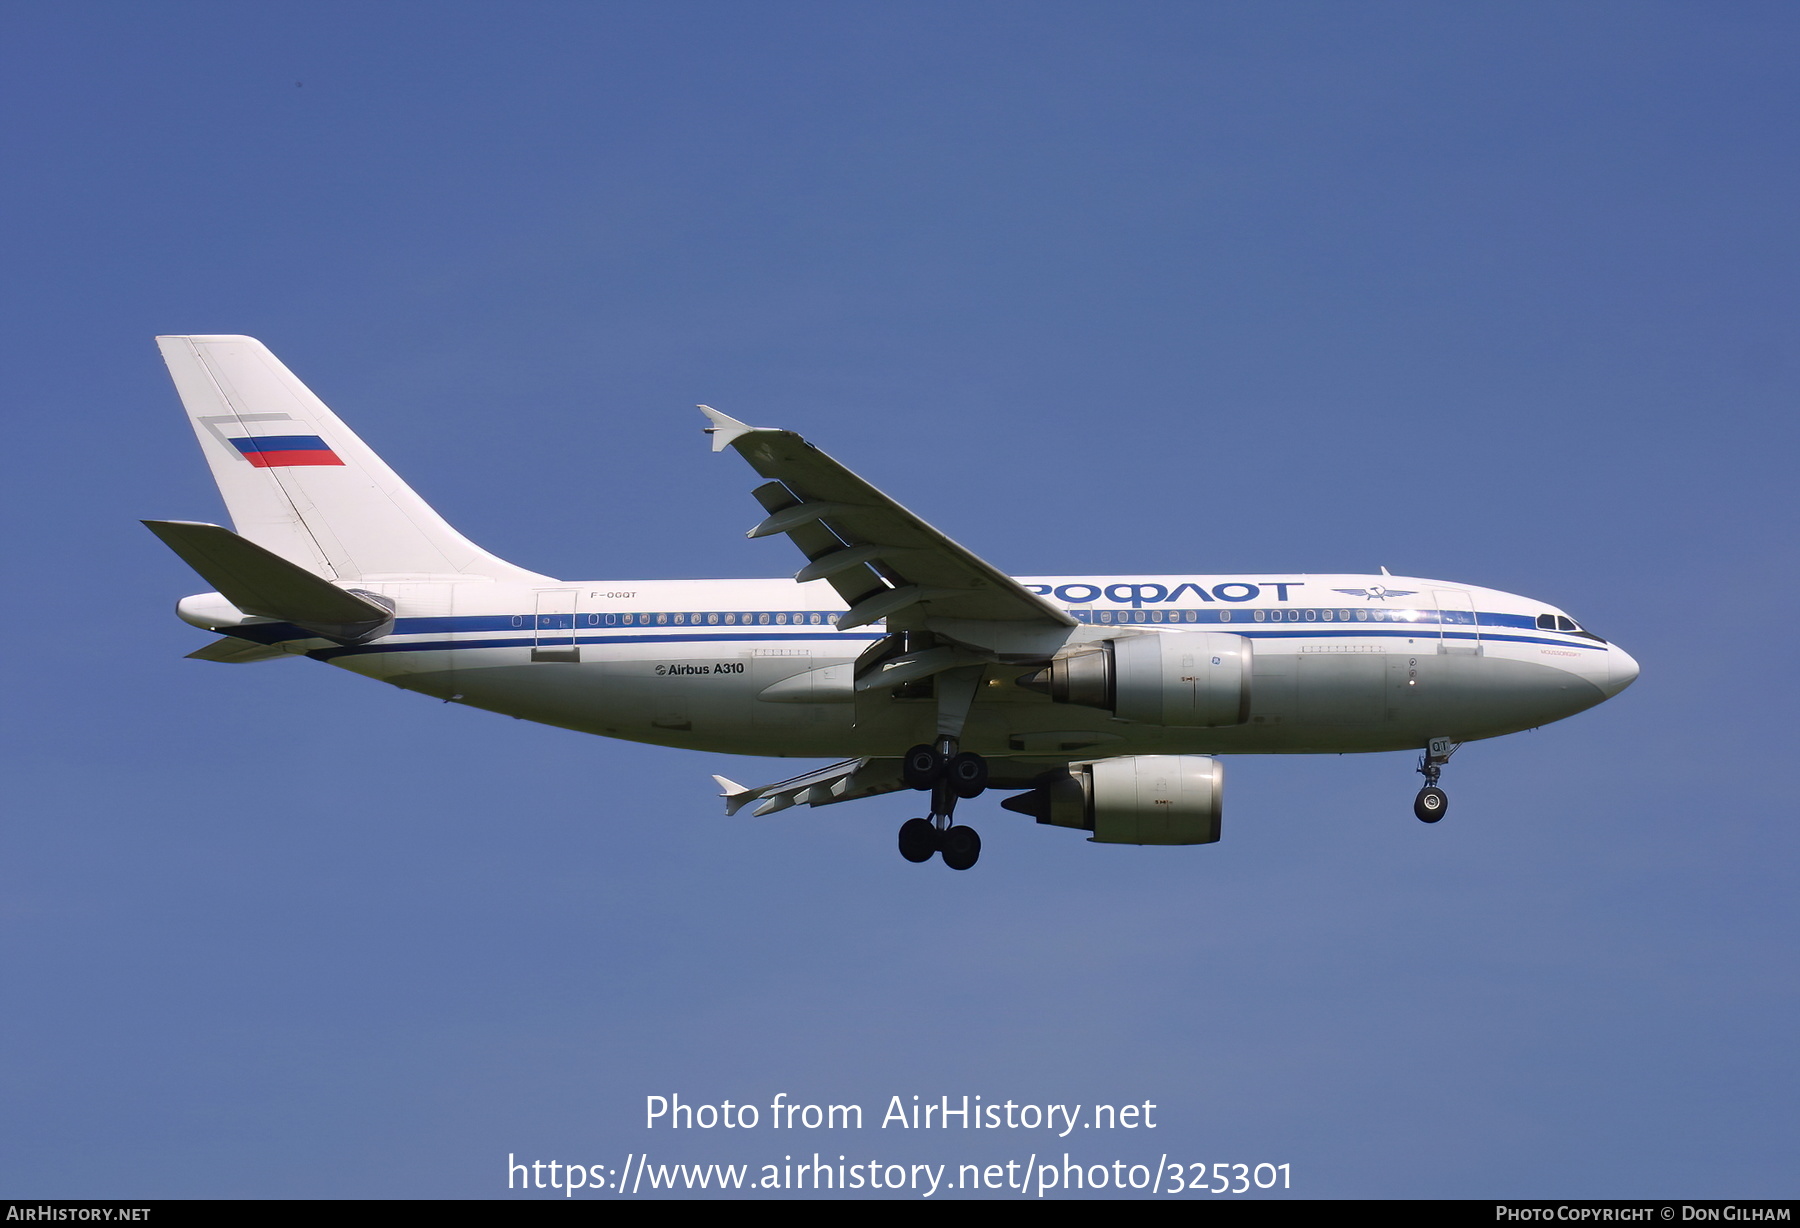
<point>1134,799</point>
<point>1186,679</point>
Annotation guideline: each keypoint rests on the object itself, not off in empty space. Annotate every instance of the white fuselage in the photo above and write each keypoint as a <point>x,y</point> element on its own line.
<point>1341,663</point>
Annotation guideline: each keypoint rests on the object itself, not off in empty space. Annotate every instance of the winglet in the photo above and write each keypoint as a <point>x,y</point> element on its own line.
<point>725,428</point>
<point>736,796</point>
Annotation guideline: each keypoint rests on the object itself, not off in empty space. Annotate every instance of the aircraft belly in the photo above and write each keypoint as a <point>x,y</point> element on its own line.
<point>669,695</point>
<point>644,693</point>
<point>428,672</point>
<point>1351,701</point>
<point>1337,701</point>
<point>1484,697</point>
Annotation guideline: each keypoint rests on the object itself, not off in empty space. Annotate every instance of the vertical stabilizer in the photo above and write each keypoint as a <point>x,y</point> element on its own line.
<point>298,482</point>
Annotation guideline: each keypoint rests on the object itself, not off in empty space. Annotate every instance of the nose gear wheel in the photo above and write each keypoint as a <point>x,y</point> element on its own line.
<point>1433,803</point>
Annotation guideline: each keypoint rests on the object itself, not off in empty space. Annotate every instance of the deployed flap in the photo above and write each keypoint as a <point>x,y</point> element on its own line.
<point>260,582</point>
<point>233,651</point>
<point>883,560</point>
<point>840,782</point>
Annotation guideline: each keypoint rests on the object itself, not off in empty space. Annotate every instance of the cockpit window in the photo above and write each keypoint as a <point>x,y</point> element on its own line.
<point>1566,625</point>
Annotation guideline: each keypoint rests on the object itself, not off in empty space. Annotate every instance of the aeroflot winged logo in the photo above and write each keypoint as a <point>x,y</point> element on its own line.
<point>1376,592</point>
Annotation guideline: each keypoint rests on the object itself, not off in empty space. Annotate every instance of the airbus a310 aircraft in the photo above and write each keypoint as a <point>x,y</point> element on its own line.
<point>1101,699</point>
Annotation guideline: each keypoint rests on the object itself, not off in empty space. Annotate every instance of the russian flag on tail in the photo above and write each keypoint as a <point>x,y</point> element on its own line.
<point>277,451</point>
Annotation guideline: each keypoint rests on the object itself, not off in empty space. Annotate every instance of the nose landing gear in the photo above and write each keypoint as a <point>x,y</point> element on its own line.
<point>949,775</point>
<point>1433,803</point>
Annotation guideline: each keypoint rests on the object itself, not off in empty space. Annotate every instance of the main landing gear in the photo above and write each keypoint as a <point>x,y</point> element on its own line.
<point>1433,803</point>
<point>949,775</point>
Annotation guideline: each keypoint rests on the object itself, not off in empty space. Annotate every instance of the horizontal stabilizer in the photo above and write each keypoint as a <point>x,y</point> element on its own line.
<point>261,582</point>
<point>233,651</point>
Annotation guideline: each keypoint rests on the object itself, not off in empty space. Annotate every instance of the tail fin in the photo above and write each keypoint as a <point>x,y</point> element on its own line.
<point>299,483</point>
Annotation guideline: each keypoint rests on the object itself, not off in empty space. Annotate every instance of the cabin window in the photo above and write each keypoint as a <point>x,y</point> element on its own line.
<point>1258,616</point>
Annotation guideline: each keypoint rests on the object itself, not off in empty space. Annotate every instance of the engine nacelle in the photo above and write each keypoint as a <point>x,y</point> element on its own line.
<point>1184,680</point>
<point>1134,799</point>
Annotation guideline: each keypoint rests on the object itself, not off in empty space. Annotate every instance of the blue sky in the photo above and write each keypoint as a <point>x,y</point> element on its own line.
<point>1496,293</point>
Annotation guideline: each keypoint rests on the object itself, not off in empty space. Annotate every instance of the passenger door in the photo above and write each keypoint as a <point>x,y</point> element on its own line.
<point>555,626</point>
<point>1458,632</point>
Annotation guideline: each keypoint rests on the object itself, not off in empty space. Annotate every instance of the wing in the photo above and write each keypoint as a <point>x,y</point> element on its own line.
<point>883,560</point>
<point>840,782</point>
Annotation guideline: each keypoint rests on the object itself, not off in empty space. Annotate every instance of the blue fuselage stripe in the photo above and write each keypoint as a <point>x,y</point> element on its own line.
<point>280,632</point>
<point>325,654</point>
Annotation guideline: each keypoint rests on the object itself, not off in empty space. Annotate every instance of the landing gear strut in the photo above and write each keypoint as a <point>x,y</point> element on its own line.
<point>1433,803</point>
<point>949,775</point>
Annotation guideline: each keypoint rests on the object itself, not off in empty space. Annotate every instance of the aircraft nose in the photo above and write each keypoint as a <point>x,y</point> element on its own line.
<point>1622,670</point>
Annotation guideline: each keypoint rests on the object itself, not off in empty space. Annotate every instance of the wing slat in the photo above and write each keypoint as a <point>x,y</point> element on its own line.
<point>836,517</point>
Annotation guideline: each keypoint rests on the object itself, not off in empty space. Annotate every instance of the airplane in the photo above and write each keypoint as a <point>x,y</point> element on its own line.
<point>1101,702</point>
